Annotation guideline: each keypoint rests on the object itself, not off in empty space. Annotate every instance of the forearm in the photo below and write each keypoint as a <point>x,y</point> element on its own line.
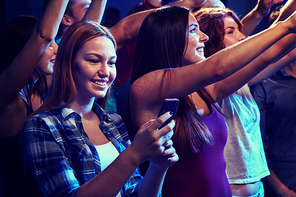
<point>280,49</point>
<point>286,10</point>
<point>273,68</point>
<point>111,180</point>
<point>250,22</point>
<point>237,56</point>
<point>49,22</point>
<point>126,30</point>
<point>152,182</point>
<point>95,11</point>
<point>261,10</point>
<point>24,63</point>
<point>224,88</point>
<point>257,70</point>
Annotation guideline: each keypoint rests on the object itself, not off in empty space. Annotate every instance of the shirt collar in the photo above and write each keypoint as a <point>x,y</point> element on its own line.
<point>102,114</point>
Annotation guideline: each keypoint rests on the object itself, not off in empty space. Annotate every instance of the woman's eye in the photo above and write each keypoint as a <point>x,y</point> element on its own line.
<point>230,32</point>
<point>112,64</point>
<point>193,30</point>
<point>93,61</point>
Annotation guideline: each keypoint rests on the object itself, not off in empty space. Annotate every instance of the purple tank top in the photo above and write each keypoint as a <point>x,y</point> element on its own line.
<point>203,173</point>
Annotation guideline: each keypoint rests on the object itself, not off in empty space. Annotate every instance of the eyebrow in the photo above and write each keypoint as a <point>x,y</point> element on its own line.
<point>100,56</point>
<point>195,25</point>
<point>231,27</point>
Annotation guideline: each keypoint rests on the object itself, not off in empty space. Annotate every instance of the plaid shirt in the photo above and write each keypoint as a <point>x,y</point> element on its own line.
<point>62,157</point>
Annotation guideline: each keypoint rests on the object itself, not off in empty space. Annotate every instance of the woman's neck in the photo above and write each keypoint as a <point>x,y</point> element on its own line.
<point>83,107</point>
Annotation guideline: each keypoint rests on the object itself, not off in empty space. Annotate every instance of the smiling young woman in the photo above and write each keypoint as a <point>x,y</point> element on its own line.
<point>169,63</point>
<point>74,147</point>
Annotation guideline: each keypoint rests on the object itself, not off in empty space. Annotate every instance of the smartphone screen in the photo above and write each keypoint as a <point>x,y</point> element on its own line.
<point>168,105</point>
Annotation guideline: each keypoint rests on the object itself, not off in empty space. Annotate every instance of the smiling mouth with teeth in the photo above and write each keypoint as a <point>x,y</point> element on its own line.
<point>52,61</point>
<point>100,83</point>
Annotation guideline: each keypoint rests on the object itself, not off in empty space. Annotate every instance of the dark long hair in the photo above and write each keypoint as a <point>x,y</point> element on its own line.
<point>13,38</point>
<point>161,45</point>
<point>211,23</point>
<point>63,86</point>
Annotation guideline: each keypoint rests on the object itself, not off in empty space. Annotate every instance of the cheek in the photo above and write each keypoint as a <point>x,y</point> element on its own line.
<point>44,60</point>
<point>191,48</point>
<point>48,54</point>
<point>229,41</point>
<point>113,74</point>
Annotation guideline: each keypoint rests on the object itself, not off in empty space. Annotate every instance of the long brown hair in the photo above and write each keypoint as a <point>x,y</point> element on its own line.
<point>161,44</point>
<point>211,22</point>
<point>63,86</point>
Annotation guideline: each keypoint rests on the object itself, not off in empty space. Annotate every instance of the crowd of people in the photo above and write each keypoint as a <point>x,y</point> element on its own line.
<point>80,101</point>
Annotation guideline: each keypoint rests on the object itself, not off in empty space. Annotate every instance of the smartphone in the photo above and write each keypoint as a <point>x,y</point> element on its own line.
<point>168,105</point>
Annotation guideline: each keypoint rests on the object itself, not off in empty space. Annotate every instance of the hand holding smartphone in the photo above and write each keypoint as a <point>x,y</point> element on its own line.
<point>168,105</point>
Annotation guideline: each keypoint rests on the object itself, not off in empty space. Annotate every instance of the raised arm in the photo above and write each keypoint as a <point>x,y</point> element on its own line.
<point>286,10</point>
<point>126,30</point>
<point>276,66</point>
<point>18,72</point>
<point>251,20</point>
<point>257,70</point>
<point>260,68</point>
<point>95,11</point>
<point>287,41</point>
<point>183,81</point>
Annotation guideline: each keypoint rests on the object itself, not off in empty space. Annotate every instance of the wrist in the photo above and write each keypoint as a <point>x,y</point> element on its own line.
<point>133,156</point>
<point>283,28</point>
<point>157,168</point>
<point>258,14</point>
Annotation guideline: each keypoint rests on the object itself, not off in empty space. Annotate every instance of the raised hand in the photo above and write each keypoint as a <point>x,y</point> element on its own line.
<point>263,6</point>
<point>291,23</point>
<point>251,20</point>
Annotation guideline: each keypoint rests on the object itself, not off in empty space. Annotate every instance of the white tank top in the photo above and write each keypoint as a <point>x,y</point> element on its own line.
<point>107,153</point>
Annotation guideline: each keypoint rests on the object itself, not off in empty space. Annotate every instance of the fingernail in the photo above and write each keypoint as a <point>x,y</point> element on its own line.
<point>163,153</point>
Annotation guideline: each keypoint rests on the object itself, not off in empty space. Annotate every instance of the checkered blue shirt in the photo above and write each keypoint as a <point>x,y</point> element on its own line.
<point>60,154</point>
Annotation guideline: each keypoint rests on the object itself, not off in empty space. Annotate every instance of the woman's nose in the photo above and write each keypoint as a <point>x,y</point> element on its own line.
<point>103,70</point>
<point>241,37</point>
<point>54,46</point>
<point>203,37</point>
